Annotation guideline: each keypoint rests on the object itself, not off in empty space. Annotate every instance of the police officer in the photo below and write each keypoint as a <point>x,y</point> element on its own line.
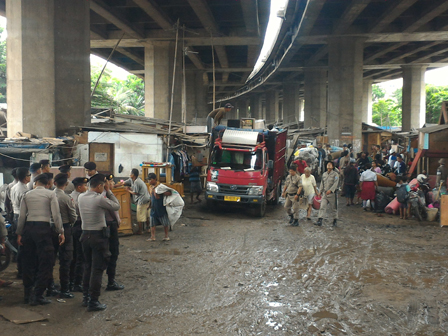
<point>442,173</point>
<point>8,203</point>
<point>77,265</point>
<point>66,169</point>
<point>35,169</point>
<point>16,195</point>
<point>45,166</point>
<point>328,191</point>
<point>113,223</point>
<point>292,185</point>
<point>95,238</point>
<point>90,168</point>
<point>35,236</point>
<point>68,216</point>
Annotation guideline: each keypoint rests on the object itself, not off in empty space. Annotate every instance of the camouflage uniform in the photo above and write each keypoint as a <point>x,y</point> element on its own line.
<point>293,183</point>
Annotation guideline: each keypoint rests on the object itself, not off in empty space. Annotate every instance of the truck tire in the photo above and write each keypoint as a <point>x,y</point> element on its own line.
<point>278,192</point>
<point>260,210</point>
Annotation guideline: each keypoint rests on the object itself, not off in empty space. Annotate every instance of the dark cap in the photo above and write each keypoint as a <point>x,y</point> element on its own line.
<point>79,180</point>
<point>344,145</point>
<point>42,178</point>
<point>35,167</point>
<point>14,172</point>
<point>228,105</point>
<point>90,165</point>
<point>44,162</point>
<point>109,177</point>
<point>152,176</point>
<point>65,169</point>
<point>97,178</point>
<point>49,175</point>
<point>61,178</point>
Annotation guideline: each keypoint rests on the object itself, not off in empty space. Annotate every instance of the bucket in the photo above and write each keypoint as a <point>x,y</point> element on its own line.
<point>316,202</point>
<point>432,214</point>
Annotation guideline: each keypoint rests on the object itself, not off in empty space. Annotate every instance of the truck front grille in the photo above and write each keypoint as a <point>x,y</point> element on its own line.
<point>233,190</point>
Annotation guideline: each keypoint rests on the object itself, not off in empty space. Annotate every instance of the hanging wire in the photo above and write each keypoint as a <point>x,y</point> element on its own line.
<point>172,90</point>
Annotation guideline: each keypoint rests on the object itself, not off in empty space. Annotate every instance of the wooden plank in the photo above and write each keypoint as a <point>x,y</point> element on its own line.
<point>444,210</point>
<point>415,162</point>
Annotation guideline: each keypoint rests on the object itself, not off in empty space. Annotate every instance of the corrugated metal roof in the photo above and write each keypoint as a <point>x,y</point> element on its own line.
<point>433,129</point>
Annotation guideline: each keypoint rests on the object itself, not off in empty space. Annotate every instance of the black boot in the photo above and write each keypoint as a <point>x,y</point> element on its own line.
<point>51,290</point>
<point>113,286</point>
<point>65,294</point>
<point>335,222</point>
<point>36,300</point>
<point>319,222</point>
<point>295,223</point>
<point>77,288</point>
<point>71,285</point>
<point>95,305</point>
<point>291,219</point>
<point>85,300</point>
<point>26,297</point>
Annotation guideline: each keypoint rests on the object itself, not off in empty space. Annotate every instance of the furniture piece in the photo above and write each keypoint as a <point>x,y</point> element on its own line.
<point>444,210</point>
<point>124,197</point>
<point>157,167</point>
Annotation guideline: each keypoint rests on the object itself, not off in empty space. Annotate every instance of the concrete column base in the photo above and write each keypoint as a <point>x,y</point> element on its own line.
<point>315,98</point>
<point>414,97</point>
<point>271,106</point>
<point>291,102</point>
<point>367,101</point>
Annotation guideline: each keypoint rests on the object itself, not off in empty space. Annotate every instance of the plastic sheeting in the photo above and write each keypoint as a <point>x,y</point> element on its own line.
<point>174,203</point>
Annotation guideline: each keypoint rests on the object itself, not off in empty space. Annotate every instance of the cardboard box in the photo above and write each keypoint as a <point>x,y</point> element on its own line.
<point>322,139</point>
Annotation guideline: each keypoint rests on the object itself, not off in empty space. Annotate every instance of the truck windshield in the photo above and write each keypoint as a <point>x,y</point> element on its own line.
<point>226,159</point>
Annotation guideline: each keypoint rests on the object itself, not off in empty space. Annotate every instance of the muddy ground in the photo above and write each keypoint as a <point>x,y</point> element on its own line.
<point>227,273</point>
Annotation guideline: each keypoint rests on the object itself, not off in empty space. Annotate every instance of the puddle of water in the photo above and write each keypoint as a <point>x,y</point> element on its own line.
<point>269,284</point>
<point>168,252</point>
<point>275,304</point>
<point>325,314</point>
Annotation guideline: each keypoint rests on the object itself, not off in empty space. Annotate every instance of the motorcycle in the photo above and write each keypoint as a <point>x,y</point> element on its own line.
<point>7,252</point>
<point>417,204</point>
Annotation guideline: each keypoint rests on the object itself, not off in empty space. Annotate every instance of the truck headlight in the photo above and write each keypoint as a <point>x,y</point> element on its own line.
<point>256,191</point>
<point>212,186</point>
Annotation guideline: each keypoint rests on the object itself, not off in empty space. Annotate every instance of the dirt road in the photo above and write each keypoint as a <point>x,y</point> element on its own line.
<point>227,273</point>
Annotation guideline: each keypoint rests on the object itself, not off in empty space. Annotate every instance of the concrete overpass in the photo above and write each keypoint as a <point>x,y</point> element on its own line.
<point>329,53</point>
<point>49,43</point>
<point>335,46</point>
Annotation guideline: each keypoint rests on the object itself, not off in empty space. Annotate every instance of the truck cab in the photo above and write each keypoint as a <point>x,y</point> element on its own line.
<point>244,170</point>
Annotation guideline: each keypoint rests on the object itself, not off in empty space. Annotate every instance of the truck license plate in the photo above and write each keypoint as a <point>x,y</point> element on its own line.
<point>232,198</point>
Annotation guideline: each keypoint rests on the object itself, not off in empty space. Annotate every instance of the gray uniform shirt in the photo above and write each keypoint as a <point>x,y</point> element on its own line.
<point>31,183</point>
<point>93,207</point>
<point>69,188</point>
<point>16,195</point>
<point>66,207</point>
<point>39,205</point>
<point>293,183</point>
<point>329,181</point>
<point>75,195</point>
<point>139,187</point>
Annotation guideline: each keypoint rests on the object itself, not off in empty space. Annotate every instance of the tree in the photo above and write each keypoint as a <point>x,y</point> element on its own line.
<point>377,93</point>
<point>435,96</point>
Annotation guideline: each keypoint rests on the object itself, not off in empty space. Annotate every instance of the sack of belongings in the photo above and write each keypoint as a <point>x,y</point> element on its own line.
<point>174,203</point>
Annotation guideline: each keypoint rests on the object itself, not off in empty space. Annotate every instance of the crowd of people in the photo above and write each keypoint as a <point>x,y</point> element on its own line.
<point>356,176</point>
<point>75,221</point>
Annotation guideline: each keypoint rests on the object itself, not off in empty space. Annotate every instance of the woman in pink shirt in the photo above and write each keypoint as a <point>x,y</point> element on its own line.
<point>375,167</point>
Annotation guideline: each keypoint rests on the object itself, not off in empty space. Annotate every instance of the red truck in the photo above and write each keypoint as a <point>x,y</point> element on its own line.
<point>247,167</point>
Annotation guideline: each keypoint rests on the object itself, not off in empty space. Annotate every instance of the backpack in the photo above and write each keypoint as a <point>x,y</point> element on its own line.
<point>402,194</point>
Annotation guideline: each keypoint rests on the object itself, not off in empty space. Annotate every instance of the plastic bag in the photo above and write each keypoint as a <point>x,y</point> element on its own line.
<point>174,203</point>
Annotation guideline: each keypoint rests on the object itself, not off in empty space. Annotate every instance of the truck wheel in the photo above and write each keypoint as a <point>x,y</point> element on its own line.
<point>278,192</point>
<point>260,210</point>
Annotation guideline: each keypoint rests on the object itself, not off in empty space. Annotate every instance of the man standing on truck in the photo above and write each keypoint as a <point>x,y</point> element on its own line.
<point>290,193</point>
<point>328,191</point>
<point>219,113</point>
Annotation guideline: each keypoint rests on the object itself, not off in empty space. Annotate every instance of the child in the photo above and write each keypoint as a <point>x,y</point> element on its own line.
<point>403,190</point>
<point>195,184</point>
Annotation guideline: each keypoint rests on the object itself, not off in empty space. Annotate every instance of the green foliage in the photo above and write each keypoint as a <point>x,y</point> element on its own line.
<point>435,96</point>
<point>377,93</point>
<point>124,96</point>
<point>386,112</point>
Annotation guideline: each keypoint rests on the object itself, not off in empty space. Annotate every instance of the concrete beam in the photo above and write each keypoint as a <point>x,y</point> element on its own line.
<point>411,52</point>
<point>349,16</point>
<point>115,18</point>
<point>151,8</point>
<point>193,55</point>
<point>131,54</point>
<point>433,9</point>
<point>250,14</point>
<point>130,42</point>
<point>428,55</point>
<point>389,15</point>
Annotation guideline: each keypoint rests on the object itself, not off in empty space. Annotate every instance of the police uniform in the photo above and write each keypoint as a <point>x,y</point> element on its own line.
<point>65,169</point>
<point>77,265</point>
<point>330,181</point>
<point>113,222</point>
<point>37,207</point>
<point>442,173</point>
<point>292,184</point>
<point>95,241</point>
<point>68,216</point>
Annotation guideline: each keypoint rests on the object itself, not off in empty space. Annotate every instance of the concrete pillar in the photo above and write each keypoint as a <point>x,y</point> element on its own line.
<point>414,97</point>
<point>48,56</point>
<point>256,106</point>
<point>241,106</point>
<point>345,90</point>
<point>271,106</point>
<point>291,102</point>
<point>201,88</point>
<point>367,101</point>
<point>315,114</point>
<point>159,66</point>
<point>301,112</point>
